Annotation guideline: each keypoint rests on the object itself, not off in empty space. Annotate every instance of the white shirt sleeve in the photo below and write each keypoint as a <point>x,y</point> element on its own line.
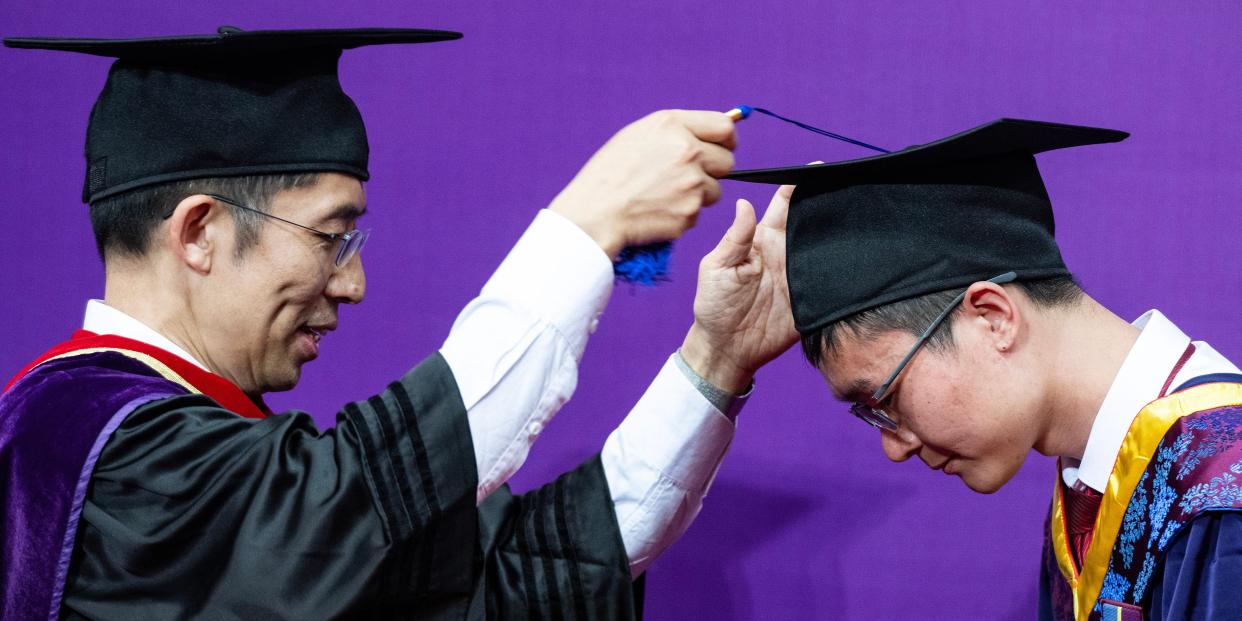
<point>660,463</point>
<point>514,350</point>
<point>514,353</point>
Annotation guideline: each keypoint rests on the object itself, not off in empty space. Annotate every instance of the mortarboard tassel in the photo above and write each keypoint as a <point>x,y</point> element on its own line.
<point>744,111</point>
<point>647,265</point>
<point>644,265</point>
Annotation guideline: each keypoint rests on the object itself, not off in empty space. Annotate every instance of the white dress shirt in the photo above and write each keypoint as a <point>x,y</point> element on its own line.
<point>514,353</point>
<point>1139,380</point>
<point>103,319</point>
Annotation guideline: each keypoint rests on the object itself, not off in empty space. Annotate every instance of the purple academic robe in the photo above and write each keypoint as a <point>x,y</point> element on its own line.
<point>1176,548</point>
<point>43,490</point>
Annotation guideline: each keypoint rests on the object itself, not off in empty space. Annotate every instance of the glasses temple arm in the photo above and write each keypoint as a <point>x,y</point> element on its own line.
<point>1001,279</point>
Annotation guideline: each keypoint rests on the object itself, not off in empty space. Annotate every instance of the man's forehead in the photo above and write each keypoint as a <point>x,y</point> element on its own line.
<point>846,387</point>
<point>333,197</point>
<point>855,366</point>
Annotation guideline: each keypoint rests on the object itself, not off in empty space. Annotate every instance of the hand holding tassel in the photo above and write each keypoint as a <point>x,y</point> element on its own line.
<point>647,184</point>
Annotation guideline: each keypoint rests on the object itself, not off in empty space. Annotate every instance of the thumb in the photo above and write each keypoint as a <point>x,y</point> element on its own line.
<point>734,247</point>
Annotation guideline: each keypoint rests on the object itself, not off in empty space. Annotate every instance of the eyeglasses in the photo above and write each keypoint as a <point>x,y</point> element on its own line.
<point>870,411</point>
<point>350,242</point>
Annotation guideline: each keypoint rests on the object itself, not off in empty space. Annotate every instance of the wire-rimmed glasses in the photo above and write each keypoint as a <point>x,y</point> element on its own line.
<point>350,242</point>
<point>870,411</point>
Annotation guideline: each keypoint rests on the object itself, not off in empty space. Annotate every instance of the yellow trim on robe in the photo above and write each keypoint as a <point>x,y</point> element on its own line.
<point>1137,450</point>
<point>156,365</point>
<point>1060,536</point>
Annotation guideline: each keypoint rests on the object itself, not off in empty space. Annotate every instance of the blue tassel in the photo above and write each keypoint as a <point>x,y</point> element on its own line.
<point>746,110</point>
<point>644,265</point>
<point>648,265</point>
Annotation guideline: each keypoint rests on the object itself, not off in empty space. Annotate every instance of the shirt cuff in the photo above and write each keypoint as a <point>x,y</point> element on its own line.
<point>557,273</point>
<point>726,403</point>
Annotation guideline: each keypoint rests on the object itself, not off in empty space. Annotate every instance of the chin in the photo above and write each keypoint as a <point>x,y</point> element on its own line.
<point>985,482</point>
<point>986,487</point>
<point>281,382</point>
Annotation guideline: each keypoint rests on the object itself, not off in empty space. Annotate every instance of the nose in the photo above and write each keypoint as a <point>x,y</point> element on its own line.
<point>900,445</point>
<point>348,283</point>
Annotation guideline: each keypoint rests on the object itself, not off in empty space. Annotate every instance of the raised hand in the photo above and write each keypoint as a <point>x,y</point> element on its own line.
<point>649,181</point>
<point>742,317</point>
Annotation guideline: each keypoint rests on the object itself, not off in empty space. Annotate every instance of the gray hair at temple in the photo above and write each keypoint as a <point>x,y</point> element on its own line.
<point>123,223</point>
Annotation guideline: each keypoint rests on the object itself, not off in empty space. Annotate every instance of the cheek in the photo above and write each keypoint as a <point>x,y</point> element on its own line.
<point>303,289</point>
<point>1004,399</point>
<point>240,300</point>
<point>953,412</point>
<point>296,277</point>
<point>275,295</point>
<point>937,408</point>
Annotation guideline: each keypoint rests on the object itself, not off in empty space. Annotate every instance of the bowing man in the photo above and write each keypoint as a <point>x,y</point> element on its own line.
<point>930,293</point>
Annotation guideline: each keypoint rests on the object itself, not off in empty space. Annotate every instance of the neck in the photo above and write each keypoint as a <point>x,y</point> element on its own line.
<point>144,294</point>
<point>1090,344</point>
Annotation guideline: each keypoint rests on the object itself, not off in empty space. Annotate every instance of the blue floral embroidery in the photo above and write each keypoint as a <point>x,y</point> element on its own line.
<point>1163,495</point>
<point>1221,433</point>
<point>1140,583</point>
<point>1134,525</point>
<point>1221,491</point>
<point>1115,587</point>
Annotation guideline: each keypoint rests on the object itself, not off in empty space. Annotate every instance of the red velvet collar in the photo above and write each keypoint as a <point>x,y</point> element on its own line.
<point>219,389</point>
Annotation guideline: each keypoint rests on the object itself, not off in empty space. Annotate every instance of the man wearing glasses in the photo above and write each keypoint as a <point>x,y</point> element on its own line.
<point>930,293</point>
<point>144,476</point>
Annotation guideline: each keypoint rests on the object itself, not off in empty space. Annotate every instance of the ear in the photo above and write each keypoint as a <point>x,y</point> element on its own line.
<point>194,232</point>
<point>997,312</point>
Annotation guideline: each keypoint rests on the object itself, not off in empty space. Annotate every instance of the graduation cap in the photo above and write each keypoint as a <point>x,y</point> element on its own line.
<point>869,232</point>
<point>224,104</point>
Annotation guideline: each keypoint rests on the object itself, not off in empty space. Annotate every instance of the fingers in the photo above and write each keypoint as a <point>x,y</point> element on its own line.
<point>709,126</point>
<point>716,160</point>
<point>734,247</point>
<point>711,191</point>
<point>778,209</point>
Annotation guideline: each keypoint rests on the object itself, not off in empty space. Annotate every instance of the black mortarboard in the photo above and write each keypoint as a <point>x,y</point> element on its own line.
<point>873,231</point>
<point>231,103</point>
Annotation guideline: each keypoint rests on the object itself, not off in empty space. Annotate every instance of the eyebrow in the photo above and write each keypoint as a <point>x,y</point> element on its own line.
<point>858,390</point>
<point>346,212</point>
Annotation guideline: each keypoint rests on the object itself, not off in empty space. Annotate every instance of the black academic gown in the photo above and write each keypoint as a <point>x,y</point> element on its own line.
<point>194,512</point>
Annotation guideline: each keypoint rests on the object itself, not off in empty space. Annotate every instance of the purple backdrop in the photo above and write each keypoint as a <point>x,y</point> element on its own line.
<point>470,138</point>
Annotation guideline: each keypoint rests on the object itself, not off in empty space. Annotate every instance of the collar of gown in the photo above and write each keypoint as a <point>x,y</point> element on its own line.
<point>103,319</point>
<point>1138,382</point>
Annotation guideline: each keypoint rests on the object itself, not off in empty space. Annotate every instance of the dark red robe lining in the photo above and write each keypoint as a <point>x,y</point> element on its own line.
<point>219,389</point>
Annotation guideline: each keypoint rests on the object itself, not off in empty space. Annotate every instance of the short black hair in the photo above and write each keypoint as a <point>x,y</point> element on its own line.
<point>912,316</point>
<point>123,223</point>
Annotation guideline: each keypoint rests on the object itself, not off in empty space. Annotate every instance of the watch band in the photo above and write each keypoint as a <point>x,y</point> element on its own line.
<point>727,403</point>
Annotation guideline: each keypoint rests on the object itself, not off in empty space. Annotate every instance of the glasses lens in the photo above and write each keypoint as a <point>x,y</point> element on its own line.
<point>351,245</point>
<point>871,416</point>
